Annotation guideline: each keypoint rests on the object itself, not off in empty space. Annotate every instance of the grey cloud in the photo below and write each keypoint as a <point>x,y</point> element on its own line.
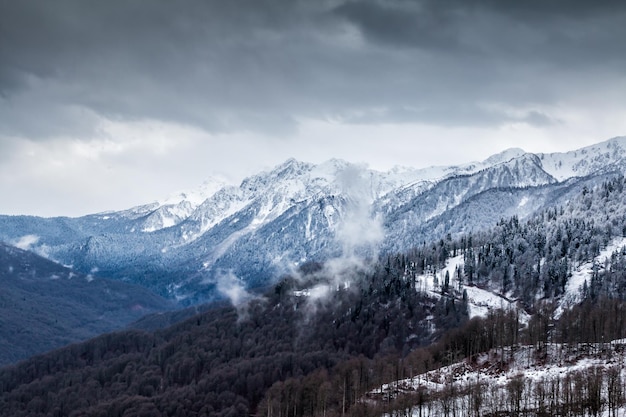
<point>261,65</point>
<point>402,23</point>
<point>188,61</point>
<point>464,115</point>
<point>541,9</point>
<point>539,119</point>
<point>546,30</point>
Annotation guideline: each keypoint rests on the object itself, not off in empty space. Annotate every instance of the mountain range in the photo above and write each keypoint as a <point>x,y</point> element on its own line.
<point>186,246</point>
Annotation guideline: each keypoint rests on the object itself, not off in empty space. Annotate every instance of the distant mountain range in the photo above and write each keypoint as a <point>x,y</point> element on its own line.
<point>275,221</point>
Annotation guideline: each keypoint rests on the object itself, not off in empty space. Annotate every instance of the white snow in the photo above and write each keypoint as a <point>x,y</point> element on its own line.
<point>480,301</point>
<point>523,202</point>
<point>584,272</point>
<point>498,368</point>
<point>504,156</point>
<point>198,195</point>
<point>582,161</point>
<point>179,206</point>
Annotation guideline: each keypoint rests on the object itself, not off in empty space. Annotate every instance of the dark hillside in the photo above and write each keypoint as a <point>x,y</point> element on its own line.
<point>221,362</point>
<point>44,305</point>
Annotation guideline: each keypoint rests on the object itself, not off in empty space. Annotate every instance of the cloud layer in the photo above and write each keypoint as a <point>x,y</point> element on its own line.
<point>264,65</point>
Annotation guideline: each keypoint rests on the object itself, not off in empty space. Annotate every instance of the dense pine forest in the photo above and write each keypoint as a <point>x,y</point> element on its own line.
<point>291,353</point>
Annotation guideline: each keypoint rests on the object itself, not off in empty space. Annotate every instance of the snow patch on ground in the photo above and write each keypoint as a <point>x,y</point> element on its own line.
<point>495,370</point>
<point>584,272</point>
<point>523,202</point>
<point>480,301</point>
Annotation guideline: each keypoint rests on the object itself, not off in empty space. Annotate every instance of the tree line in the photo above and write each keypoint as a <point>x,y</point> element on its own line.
<point>373,386</point>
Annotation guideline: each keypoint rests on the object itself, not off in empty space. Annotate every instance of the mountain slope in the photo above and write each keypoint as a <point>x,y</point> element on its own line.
<point>553,380</point>
<point>601,158</point>
<point>44,305</point>
<point>230,356</point>
<point>515,174</point>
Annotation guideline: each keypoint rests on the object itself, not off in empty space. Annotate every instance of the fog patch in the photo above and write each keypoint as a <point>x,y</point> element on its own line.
<point>359,235</point>
<point>360,232</point>
<point>26,242</point>
<point>232,287</point>
<point>318,292</point>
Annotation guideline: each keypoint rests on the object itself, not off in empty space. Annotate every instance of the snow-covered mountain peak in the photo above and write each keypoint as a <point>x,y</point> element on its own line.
<point>523,171</point>
<point>603,157</point>
<point>197,195</point>
<point>438,173</point>
<point>289,170</point>
<point>504,156</point>
<point>617,141</point>
<point>328,176</point>
<point>262,197</point>
<point>614,147</point>
<point>291,167</point>
<point>178,207</point>
<point>329,169</point>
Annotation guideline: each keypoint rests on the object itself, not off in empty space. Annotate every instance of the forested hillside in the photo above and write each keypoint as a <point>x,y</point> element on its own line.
<point>44,305</point>
<point>222,362</point>
<point>536,258</point>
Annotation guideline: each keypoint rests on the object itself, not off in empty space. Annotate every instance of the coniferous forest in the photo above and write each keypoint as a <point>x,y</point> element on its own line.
<point>290,353</point>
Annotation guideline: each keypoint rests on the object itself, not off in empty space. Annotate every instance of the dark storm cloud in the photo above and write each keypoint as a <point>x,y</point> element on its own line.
<point>402,23</point>
<point>544,9</point>
<point>174,60</point>
<point>550,30</point>
<point>261,65</point>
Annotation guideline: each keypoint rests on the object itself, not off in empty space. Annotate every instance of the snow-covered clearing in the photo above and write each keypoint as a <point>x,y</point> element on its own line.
<point>480,301</point>
<point>494,374</point>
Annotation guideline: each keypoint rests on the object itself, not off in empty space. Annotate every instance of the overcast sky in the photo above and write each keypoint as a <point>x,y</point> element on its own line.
<point>109,104</point>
